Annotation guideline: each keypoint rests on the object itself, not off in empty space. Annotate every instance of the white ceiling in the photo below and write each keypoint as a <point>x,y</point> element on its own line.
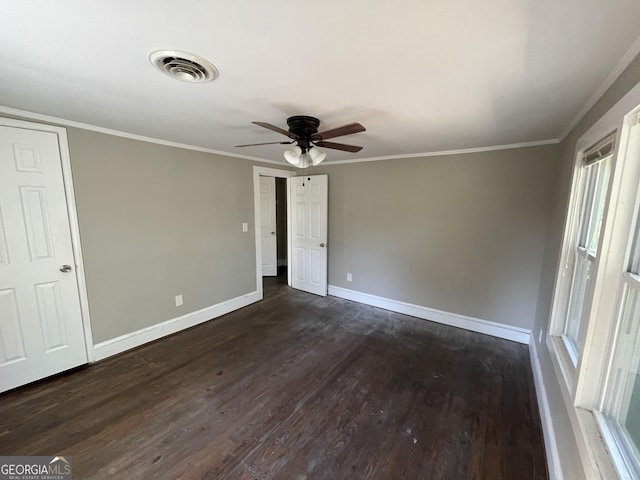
<point>421,75</point>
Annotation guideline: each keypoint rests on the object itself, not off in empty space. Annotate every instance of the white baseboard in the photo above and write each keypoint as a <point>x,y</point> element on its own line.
<point>135,339</point>
<point>548,430</point>
<point>508,332</point>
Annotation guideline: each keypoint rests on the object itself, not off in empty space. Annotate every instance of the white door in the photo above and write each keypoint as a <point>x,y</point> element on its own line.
<point>41,330</point>
<point>308,196</point>
<point>268,235</point>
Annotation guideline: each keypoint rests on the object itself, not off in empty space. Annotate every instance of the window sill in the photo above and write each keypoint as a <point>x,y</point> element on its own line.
<point>617,457</point>
<point>596,458</point>
<point>563,363</point>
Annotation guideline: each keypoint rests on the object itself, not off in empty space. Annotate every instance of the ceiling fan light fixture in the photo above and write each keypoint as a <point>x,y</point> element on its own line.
<point>304,161</point>
<point>293,156</point>
<point>316,156</point>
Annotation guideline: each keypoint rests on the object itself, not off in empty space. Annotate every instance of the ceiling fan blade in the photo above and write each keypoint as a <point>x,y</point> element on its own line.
<point>338,146</point>
<point>338,132</point>
<point>267,143</point>
<point>276,129</point>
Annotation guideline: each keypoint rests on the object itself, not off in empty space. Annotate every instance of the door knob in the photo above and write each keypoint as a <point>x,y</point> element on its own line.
<point>273,233</point>
<point>322,244</point>
<point>65,268</point>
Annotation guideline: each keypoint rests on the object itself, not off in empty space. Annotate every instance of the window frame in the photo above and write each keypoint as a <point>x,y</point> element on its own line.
<point>627,462</point>
<point>581,259</point>
<point>583,382</point>
<point>611,396</point>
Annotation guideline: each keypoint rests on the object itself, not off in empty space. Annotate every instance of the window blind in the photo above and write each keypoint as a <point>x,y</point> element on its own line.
<point>600,150</point>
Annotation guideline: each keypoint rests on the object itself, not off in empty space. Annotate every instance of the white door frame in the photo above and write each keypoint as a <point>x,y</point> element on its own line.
<point>267,172</point>
<point>67,179</point>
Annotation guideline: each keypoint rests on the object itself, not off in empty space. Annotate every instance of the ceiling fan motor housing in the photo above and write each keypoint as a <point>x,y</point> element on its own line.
<point>303,126</point>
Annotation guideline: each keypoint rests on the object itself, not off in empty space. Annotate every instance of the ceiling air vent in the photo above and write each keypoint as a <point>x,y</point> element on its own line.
<point>184,66</point>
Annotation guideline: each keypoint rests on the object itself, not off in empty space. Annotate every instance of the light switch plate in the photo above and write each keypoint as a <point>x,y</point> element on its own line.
<point>245,227</point>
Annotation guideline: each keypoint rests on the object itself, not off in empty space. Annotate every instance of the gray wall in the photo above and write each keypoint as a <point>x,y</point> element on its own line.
<point>155,222</point>
<point>566,442</point>
<point>459,233</point>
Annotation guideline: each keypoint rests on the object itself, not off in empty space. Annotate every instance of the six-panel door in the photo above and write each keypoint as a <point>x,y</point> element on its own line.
<point>309,233</point>
<point>41,330</point>
<point>268,236</point>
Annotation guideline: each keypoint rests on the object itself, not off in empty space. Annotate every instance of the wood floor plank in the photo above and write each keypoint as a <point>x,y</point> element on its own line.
<point>294,387</point>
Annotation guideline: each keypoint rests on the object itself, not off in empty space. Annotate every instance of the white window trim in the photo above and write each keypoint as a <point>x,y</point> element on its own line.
<point>581,384</point>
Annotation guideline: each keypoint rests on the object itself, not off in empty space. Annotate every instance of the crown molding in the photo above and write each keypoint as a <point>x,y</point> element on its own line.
<point>118,133</point>
<point>85,126</point>
<point>492,148</point>
<point>620,67</point>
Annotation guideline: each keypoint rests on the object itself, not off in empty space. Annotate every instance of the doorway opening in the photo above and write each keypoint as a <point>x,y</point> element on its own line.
<point>282,235</point>
<point>273,232</point>
<point>271,227</point>
<point>306,232</point>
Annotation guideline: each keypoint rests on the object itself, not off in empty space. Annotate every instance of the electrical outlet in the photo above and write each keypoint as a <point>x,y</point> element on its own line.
<point>245,227</point>
<point>179,301</point>
<point>349,277</point>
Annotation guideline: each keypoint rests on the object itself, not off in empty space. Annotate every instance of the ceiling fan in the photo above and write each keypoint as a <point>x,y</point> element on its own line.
<point>303,131</point>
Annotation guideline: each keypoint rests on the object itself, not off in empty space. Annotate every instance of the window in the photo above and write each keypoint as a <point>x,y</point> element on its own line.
<point>621,407</point>
<point>594,336</point>
<point>595,174</point>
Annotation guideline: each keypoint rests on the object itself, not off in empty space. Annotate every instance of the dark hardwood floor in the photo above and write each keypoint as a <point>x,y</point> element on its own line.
<point>293,387</point>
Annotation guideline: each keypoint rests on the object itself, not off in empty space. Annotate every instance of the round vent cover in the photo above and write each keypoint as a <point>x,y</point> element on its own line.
<point>184,66</point>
